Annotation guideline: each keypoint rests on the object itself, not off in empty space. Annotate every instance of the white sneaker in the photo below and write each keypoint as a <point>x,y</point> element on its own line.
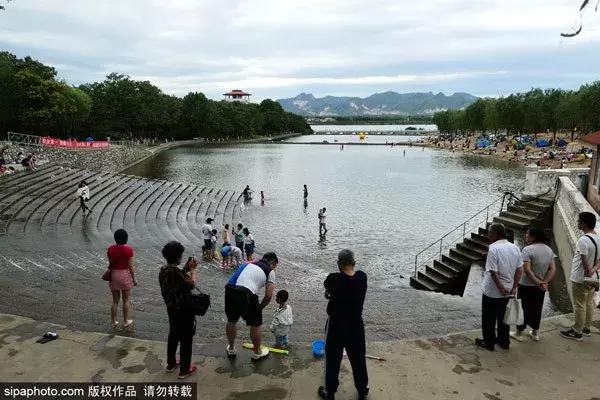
<point>264,352</point>
<point>231,352</point>
<point>534,336</point>
<point>518,335</point>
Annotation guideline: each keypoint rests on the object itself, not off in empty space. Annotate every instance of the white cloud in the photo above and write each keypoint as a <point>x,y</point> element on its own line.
<point>327,45</point>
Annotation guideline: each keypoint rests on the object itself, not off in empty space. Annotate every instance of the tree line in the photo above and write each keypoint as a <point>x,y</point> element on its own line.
<point>528,113</point>
<point>35,102</point>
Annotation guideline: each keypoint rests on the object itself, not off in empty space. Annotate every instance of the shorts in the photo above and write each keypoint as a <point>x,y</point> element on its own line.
<point>241,302</point>
<point>207,244</point>
<point>249,248</point>
<point>240,245</point>
<point>281,341</point>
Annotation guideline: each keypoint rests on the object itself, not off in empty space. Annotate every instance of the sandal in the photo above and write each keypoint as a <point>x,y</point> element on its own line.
<point>115,324</point>
<point>127,323</point>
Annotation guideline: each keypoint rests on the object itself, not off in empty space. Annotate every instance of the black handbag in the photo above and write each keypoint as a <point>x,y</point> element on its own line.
<point>196,302</point>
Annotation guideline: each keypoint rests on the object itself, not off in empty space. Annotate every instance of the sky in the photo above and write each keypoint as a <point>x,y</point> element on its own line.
<point>280,48</point>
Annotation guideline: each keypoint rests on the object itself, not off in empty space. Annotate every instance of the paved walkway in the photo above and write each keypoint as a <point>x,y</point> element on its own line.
<point>439,368</point>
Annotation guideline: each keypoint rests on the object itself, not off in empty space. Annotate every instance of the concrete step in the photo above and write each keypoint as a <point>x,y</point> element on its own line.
<point>533,205</point>
<point>480,238</point>
<point>447,268</point>
<point>27,208</point>
<point>423,285</point>
<point>517,216</point>
<point>433,279</point>
<point>441,273</point>
<point>483,232</point>
<point>461,255</point>
<point>477,243</point>
<point>54,216</point>
<point>511,223</point>
<point>456,263</point>
<point>525,210</point>
<point>474,251</point>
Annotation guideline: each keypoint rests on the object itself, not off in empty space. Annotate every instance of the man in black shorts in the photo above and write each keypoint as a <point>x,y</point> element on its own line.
<point>241,300</point>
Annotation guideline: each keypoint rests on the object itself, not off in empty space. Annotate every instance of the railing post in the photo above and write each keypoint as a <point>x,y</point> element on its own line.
<point>416,258</point>
<point>487,214</point>
<point>441,240</point>
<point>464,227</point>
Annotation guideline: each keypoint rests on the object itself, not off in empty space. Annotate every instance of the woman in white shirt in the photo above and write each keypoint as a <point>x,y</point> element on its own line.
<point>248,244</point>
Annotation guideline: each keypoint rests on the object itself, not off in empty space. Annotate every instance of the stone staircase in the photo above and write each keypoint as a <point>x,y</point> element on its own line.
<point>450,272</point>
<point>42,203</point>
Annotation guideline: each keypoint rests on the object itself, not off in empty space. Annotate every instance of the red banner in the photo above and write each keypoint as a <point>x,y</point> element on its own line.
<point>73,144</point>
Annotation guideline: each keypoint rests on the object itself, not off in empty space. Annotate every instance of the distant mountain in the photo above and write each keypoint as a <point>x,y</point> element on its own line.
<point>386,103</point>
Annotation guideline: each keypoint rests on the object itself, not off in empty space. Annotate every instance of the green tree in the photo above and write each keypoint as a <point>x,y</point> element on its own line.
<point>491,118</point>
<point>474,116</point>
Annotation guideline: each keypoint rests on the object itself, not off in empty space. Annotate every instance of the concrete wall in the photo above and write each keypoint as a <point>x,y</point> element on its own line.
<point>113,159</point>
<point>593,191</point>
<point>539,181</point>
<point>569,203</point>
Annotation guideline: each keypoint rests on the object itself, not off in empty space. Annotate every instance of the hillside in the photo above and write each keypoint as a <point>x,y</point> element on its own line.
<point>386,103</point>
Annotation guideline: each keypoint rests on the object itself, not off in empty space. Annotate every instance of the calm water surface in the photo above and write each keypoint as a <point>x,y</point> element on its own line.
<point>370,128</point>
<point>383,205</point>
<point>370,138</point>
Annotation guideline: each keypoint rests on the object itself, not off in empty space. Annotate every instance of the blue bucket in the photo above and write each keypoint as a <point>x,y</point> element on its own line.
<point>318,348</point>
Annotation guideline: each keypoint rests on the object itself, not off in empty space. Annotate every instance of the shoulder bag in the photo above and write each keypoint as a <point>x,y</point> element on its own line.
<point>196,302</point>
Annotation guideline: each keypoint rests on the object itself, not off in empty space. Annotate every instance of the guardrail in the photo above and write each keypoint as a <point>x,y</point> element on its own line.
<point>459,233</point>
<point>475,221</point>
<point>32,140</point>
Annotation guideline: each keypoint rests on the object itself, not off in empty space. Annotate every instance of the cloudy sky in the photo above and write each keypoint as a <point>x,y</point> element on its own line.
<point>279,48</point>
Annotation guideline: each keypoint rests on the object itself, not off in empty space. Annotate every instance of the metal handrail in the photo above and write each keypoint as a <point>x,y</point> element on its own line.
<point>508,198</point>
<point>440,241</point>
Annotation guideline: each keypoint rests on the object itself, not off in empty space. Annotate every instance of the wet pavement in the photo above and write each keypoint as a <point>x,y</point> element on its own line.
<point>445,368</point>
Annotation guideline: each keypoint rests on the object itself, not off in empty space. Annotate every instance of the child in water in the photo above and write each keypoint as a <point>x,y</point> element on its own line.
<point>282,320</point>
<point>225,253</point>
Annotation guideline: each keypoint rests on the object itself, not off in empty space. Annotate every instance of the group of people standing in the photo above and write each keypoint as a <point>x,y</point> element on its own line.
<point>527,274</point>
<point>232,254</point>
<point>345,291</point>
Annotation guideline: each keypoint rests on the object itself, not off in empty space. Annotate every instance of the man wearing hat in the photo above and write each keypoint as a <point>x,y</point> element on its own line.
<point>206,234</point>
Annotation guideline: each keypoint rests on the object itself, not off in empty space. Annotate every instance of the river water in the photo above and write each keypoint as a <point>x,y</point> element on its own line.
<point>368,139</point>
<point>385,203</point>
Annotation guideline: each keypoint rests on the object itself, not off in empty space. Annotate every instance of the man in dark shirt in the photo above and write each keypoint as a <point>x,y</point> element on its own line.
<point>346,292</point>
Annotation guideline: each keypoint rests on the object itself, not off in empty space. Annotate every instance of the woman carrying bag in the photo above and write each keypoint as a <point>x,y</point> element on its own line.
<point>539,271</point>
<point>120,276</point>
<point>176,285</point>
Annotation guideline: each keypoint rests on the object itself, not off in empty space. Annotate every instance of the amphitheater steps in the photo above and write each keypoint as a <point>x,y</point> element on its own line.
<point>44,197</point>
<point>13,203</point>
<point>119,216</point>
<point>177,218</point>
<point>154,211</point>
<point>52,216</point>
<point>131,211</point>
<point>35,219</point>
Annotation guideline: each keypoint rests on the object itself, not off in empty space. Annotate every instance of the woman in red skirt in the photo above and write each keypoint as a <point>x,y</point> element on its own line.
<point>122,278</point>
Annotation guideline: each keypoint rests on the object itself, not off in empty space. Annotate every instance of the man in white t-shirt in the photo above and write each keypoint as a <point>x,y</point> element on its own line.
<point>585,265</point>
<point>503,270</point>
<point>241,300</point>
<point>207,235</point>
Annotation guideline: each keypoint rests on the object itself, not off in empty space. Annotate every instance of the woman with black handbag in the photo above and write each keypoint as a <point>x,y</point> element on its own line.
<point>176,285</point>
